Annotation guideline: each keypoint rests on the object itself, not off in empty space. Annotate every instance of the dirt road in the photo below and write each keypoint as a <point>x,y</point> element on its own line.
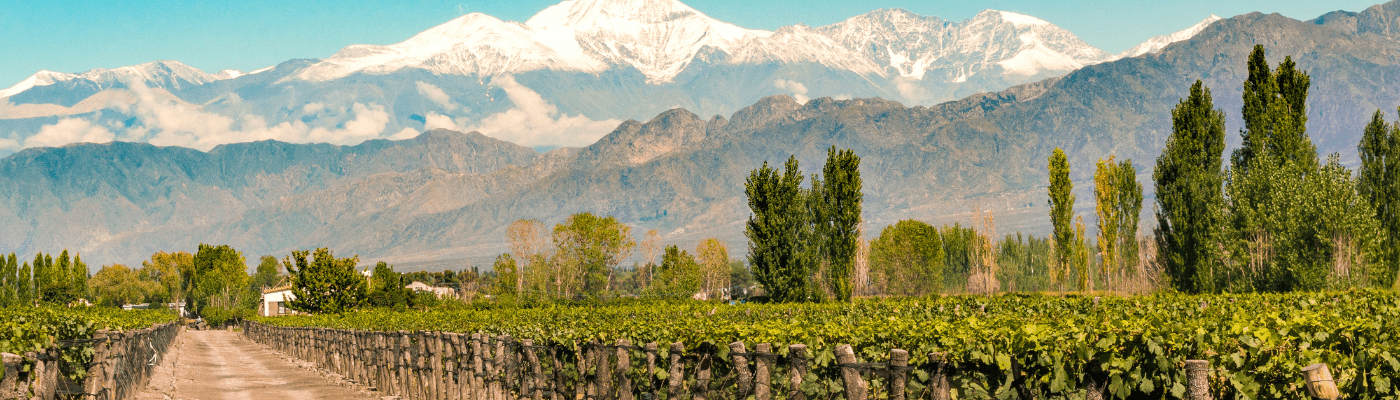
<point>209,365</point>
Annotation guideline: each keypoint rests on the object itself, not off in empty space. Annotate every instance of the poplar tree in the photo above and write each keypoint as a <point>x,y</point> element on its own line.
<point>1061,209</point>
<point>78,284</point>
<point>24,284</point>
<point>1188,183</point>
<point>778,231</point>
<point>839,197</point>
<point>7,282</point>
<point>1379,183</point>
<point>1129,214</point>
<point>1106,205</point>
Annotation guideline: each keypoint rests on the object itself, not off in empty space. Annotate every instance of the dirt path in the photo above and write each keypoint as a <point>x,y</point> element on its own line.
<point>211,365</point>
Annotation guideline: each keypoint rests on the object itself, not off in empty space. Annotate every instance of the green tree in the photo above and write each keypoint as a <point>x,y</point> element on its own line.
<point>777,231</point>
<point>116,285</point>
<point>172,271</point>
<point>268,273</point>
<point>218,279</point>
<point>387,288</point>
<point>507,275</point>
<point>678,275</point>
<point>1061,210</point>
<point>78,285</point>
<point>592,247</point>
<point>1129,214</point>
<point>907,259</point>
<point>838,200</point>
<point>1106,181</point>
<point>1188,181</point>
<point>8,270</point>
<point>24,284</point>
<point>325,284</point>
<point>1379,183</point>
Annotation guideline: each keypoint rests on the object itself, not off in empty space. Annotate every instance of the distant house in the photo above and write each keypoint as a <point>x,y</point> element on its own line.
<point>423,287</point>
<point>274,301</point>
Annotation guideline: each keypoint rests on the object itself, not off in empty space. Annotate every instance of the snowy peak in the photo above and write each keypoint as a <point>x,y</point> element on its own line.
<point>914,46</point>
<point>163,74</point>
<point>1157,43</point>
<point>41,78</point>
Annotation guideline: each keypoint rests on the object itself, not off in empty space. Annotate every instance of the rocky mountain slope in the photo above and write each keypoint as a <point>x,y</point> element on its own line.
<point>443,199</point>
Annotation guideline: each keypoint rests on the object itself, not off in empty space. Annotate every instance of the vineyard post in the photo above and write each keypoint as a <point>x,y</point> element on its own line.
<point>604,373</point>
<point>404,358</point>
<point>499,367</point>
<point>1197,380</point>
<point>380,363</point>
<point>763,356</point>
<point>899,362</point>
<point>702,374</point>
<point>421,354</point>
<point>478,368</point>
<point>741,369</point>
<point>527,380</point>
<point>797,368</point>
<point>586,387</point>
<point>850,374</point>
<point>1319,382</point>
<point>437,354</point>
<point>97,368</point>
<point>939,386</point>
<point>624,362</point>
<point>558,390</point>
<point>537,392</point>
<point>40,375</point>
<point>650,350</point>
<point>459,381</point>
<point>676,371</point>
<point>9,387</point>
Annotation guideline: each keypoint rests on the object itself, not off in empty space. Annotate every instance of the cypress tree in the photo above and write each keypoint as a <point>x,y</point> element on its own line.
<point>1061,210</point>
<point>839,196</point>
<point>1188,182</point>
<point>40,278</point>
<point>7,282</point>
<point>80,278</point>
<point>1378,182</point>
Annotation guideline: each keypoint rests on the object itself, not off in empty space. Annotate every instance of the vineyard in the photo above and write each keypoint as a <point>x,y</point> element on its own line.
<point>1007,346</point>
<point>55,350</point>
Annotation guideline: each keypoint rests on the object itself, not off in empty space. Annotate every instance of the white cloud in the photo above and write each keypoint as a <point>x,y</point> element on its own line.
<point>406,133</point>
<point>437,95</point>
<point>799,91</point>
<point>168,121</point>
<point>439,121</point>
<point>312,108</point>
<point>535,122</point>
<point>69,130</point>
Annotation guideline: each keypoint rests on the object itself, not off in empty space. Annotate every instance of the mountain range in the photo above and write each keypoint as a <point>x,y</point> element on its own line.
<point>564,77</point>
<point>442,199</point>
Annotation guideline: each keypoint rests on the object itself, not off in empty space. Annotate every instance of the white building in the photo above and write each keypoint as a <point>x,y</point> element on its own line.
<point>423,287</point>
<point>274,302</point>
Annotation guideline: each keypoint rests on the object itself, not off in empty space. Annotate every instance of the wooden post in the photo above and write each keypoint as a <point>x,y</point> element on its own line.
<point>405,364</point>
<point>1320,383</point>
<point>899,360</point>
<point>763,371</point>
<point>624,362</point>
<point>584,353</point>
<point>604,373</point>
<point>9,387</point>
<point>499,368</point>
<point>676,371</point>
<point>535,370</point>
<point>96,381</point>
<point>940,387</point>
<point>558,392</point>
<point>797,368</point>
<point>650,350</point>
<point>479,368</point>
<point>856,387</point>
<point>744,377</point>
<point>1197,379</point>
<point>702,373</point>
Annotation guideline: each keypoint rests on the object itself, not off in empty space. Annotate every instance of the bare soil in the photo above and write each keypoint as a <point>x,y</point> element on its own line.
<point>210,365</point>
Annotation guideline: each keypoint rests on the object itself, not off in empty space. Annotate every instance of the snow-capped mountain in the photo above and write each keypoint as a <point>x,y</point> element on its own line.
<point>1156,43</point>
<point>911,45</point>
<point>564,77</point>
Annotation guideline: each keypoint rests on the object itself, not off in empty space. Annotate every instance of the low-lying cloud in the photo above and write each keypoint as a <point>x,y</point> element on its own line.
<point>437,95</point>
<point>799,91</point>
<point>164,120</point>
<point>536,122</point>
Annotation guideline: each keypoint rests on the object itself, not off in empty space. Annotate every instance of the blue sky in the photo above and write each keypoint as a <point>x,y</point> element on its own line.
<point>212,35</point>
